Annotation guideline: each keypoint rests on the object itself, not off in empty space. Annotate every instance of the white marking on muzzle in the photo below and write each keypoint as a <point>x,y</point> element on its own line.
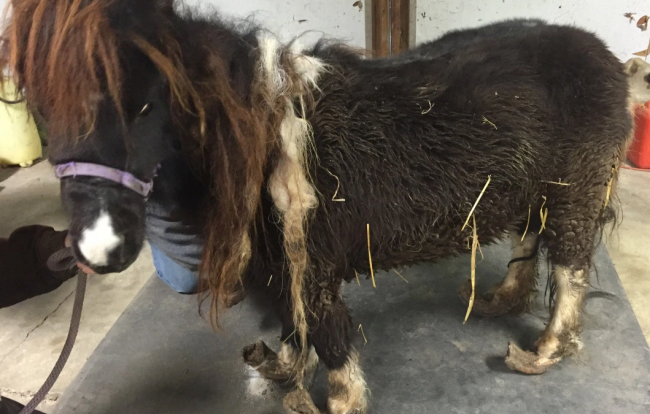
<point>99,240</point>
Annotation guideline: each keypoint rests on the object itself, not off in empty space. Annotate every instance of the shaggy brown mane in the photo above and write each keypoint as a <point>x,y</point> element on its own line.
<point>41,49</point>
<point>64,55</point>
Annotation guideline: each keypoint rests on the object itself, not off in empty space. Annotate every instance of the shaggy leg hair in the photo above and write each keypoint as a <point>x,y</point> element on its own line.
<point>331,333</point>
<point>518,289</point>
<point>573,227</point>
<point>348,390</point>
<point>348,393</point>
<point>561,336</point>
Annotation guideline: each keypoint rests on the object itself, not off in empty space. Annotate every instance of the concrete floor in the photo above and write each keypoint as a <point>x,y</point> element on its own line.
<point>629,244</point>
<point>32,333</point>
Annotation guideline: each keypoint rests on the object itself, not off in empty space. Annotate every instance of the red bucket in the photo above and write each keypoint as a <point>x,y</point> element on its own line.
<point>639,152</point>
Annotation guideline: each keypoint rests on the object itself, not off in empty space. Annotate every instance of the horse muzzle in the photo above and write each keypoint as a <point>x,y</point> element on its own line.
<point>108,223</point>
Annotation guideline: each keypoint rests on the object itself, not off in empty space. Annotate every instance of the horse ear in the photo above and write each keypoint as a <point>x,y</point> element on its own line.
<point>633,65</point>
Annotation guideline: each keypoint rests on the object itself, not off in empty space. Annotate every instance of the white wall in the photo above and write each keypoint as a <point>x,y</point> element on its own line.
<point>3,4</point>
<point>340,19</point>
<point>336,18</point>
<point>603,17</point>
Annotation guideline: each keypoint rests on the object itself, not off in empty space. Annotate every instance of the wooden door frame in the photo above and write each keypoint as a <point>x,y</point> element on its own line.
<point>391,26</point>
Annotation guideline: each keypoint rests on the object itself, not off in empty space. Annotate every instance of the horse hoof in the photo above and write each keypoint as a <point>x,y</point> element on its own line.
<point>488,305</point>
<point>267,363</point>
<point>299,402</point>
<point>528,362</point>
<point>258,353</point>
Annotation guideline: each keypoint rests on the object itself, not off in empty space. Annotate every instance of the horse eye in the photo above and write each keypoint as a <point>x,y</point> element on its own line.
<point>145,110</point>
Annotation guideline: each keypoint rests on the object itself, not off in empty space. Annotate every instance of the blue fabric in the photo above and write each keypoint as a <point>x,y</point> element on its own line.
<point>175,236</point>
<point>177,277</point>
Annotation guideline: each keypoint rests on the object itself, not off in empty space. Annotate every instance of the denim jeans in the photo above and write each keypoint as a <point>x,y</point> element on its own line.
<point>174,275</point>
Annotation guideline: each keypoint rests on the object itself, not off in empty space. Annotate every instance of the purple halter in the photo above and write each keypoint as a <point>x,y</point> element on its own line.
<point>128,180</point>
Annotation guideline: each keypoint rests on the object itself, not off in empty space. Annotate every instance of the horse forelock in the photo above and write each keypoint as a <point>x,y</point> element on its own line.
<point>65,56</point>
<point>60,53</point>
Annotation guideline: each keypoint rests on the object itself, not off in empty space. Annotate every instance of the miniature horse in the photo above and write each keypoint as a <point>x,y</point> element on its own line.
<point>311,164</point>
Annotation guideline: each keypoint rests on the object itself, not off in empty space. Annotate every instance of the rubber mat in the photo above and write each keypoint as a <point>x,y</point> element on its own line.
<point>161,357</point>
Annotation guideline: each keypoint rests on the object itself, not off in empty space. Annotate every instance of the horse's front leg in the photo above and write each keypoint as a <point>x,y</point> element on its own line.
<point>331,332</point>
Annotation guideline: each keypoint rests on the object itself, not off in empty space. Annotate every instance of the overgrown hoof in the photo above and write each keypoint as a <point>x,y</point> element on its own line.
<point>528,362</point>
<point>489,304</point>
<point>265,361</point>
<point>299,402</point>
<point>258,353</point>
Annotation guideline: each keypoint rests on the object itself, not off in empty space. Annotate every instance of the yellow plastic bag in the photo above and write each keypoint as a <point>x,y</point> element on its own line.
<point>20,143</point>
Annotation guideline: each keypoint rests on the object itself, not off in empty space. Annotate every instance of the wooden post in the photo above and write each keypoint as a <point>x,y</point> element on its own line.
<point>399,26</point>
<point>380,28</point>
<point>390,27</point>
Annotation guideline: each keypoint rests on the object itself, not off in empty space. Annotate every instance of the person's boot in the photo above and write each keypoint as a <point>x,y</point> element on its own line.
<point>23,264</point>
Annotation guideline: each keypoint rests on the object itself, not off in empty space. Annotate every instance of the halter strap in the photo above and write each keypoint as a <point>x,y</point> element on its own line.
<point>128,180</point>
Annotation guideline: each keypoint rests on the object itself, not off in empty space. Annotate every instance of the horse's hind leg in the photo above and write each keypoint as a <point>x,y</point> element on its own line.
<point>561,336</point>
<point>572,226</point>
<point>518,289</point>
